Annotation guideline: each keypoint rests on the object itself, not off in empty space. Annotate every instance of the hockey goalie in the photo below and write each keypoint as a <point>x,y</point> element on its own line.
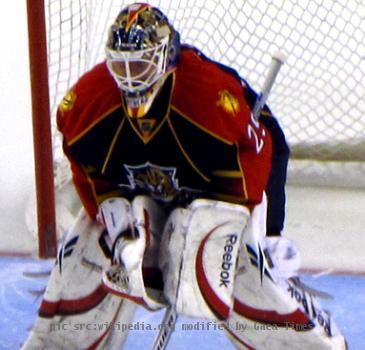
<point>175,175</point>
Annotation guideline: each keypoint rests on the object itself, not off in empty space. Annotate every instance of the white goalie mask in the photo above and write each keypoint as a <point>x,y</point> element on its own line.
<point>141,50</point>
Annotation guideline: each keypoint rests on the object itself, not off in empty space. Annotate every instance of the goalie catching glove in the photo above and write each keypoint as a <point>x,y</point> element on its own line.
<point>134,234</point>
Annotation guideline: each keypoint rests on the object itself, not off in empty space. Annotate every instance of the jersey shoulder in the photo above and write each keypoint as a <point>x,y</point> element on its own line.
<point>92,98</point>
<point>211,95</point>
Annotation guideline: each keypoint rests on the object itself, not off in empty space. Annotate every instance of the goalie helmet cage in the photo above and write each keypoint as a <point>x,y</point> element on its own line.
<point>319,95</point>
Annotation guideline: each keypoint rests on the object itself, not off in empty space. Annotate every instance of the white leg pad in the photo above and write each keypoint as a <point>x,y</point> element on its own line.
<point>198,257</point>
<point>271,313</point>
<point>76,311</point>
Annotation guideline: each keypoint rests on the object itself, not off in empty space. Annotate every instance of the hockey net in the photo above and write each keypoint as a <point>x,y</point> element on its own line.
<point>318,97</point>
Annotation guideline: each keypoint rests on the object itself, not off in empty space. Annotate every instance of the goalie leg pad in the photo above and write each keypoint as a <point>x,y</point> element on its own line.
<point>271,313</point>
<point>198,257</point>
<point>76,312</point>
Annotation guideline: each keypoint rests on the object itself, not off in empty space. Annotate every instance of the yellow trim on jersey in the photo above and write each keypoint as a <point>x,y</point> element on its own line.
<point>111,148</point>
<point>232,174</point>
<point>104,115</point>
<point>148,138</point>
<point>185,153</point>
<point>228,198</point>
<point>265,113</point>
<point>99,198</point>
<point>91,182</point>
<point>108,195</point>
<point>201,127</point>
<point>244,188</point>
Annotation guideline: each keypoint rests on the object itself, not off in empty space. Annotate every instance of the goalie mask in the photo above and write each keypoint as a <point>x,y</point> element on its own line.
<point>142,49</point>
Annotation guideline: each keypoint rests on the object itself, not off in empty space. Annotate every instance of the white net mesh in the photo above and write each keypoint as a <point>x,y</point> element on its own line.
<point>319,95</point>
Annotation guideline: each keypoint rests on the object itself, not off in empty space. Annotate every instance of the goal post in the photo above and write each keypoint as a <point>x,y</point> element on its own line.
<point>43,149</point>
<point>318,96</point>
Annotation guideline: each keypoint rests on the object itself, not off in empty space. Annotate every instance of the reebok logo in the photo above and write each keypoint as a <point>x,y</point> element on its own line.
<point>227,261</point>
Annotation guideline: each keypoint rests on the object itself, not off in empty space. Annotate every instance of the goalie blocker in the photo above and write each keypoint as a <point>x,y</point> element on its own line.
<point>213,265</point>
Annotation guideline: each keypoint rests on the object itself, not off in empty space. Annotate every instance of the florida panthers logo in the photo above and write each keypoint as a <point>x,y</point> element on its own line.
<point>160,182</point>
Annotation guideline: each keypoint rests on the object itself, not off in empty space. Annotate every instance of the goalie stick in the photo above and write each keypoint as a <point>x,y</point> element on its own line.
<point>278,59</point>
<point>167,327</point>
<point>170,316</point>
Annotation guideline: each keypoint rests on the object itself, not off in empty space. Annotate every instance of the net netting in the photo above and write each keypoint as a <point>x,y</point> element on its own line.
<point>319,95</point>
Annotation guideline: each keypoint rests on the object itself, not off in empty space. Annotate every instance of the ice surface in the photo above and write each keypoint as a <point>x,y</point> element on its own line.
<point>18,308</point>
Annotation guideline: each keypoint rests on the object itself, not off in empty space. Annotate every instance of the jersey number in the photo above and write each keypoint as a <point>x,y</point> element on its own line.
<point>259,140</point>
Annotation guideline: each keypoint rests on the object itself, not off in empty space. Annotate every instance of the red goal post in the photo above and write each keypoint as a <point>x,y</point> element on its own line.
<point>43,149</point>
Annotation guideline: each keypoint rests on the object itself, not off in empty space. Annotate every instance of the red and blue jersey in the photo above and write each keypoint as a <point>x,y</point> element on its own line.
<point>198,139</point>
